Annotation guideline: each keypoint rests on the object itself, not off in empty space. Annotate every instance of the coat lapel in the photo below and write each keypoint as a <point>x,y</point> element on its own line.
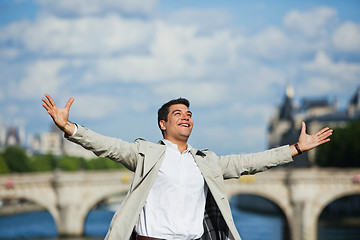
<point>199,157</point>
<point>155,154</point>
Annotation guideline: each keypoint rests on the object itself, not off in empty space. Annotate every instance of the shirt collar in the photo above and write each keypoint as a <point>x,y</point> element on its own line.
<point>173,145</point>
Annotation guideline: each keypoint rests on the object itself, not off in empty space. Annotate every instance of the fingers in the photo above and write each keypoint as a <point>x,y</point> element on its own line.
<point>303,127</point>
<point>322,136</point>
<point>324,141</point>
<point>324,133</point>
<point>51,107</point>
<point>69,102</point>
<point>46,104</point>
<point>50,100</point>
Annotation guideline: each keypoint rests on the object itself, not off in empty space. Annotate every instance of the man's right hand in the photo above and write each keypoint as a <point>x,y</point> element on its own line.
<point>60,116</point>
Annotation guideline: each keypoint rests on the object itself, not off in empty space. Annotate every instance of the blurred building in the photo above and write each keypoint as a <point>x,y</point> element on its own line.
<point>285,124</point>
<point>12,136</point>
<point>53,142</point>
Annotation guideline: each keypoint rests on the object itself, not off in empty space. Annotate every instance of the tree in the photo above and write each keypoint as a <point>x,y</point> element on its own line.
<point>3,166</point>
<point>16,159</point>
<point>42,163</point>
<point>69,163</point>
<point>344,148</point>
<point>102,163</point>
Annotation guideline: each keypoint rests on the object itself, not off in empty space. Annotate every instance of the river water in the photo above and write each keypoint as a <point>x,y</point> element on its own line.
<point>251,225</point>
<point>39,225</point>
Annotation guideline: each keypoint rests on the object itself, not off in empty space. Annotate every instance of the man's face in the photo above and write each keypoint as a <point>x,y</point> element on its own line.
<point>179,124</point>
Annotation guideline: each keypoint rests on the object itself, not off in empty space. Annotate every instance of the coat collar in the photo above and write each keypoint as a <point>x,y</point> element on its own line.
<point>200,153</point>
<point>157,153</point>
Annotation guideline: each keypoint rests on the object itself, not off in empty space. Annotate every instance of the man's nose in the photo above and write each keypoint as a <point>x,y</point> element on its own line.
<point>185,116</point>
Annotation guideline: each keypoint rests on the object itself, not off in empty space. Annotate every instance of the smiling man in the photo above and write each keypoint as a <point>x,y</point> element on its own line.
<point>175,122</point>
<point>177,191</point>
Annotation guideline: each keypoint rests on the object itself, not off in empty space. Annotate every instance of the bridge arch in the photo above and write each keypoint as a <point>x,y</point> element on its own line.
<point>253,203</point>
<point>322,195</point>
<point>96,220</point>
<point>34,214</point>
<point>92,201</point>
<point>272,196</point>
<point>36,201</point>
<point>45,200</point>
<point>346,209</point>
<point>325,200</point>
<point>78,203</point>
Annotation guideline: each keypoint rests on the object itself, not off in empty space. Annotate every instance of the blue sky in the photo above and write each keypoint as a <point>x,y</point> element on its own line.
<point>121,60</point>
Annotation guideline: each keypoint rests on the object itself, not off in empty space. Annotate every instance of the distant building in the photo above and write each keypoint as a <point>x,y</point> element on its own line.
<point>285,124</point>
<point>12,136</point>
<point>53,142</point>
<point>34,144</point>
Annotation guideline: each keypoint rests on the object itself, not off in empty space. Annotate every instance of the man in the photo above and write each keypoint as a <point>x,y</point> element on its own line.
<point>177,191</point>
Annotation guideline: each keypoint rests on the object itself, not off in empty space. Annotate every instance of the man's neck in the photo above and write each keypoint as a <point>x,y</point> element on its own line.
<point>182,146</point>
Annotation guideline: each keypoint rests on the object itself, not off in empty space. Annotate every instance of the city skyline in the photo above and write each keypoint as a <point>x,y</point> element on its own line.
<point>121,60</point>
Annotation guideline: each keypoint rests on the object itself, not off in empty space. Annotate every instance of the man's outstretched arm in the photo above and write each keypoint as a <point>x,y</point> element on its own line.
<point>307,142</point>
<point>233,166</point>
<point>60,116</point>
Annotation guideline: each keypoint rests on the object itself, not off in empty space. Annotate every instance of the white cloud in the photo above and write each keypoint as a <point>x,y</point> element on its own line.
<point>175,53</point>
<point>136,69</point>
<point>324,76</point>
<point>341,71</point>
<point>168,51</point>
<point>347,37</point>
<point>318,85</point>
<point>81,36</point>
<point>250,112</point>
<point>207,20</point>
<point>9,53</point>
<point>272,43</point>
<point>199,93</point>
<point>231,140</point>
<point>89,106</point>
<point>311,24</point>
<point>301,34</point>
<point>254,136</point>
<point>92,7</point>
<point>39,78</point>
<point>256,81</point>
<point>13,32</point>
<point>11,110</point>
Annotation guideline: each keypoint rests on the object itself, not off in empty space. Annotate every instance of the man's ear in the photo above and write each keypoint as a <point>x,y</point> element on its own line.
<point>162,125</point>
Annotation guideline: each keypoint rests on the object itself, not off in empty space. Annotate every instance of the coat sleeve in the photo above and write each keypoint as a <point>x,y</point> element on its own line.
<point>116,149</point>
<point>233,166</point>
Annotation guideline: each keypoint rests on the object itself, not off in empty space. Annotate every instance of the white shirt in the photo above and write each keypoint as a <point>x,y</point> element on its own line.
<point>175,206</point>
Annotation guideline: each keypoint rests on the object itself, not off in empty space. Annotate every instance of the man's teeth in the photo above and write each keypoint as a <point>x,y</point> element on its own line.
<point>185,125</point>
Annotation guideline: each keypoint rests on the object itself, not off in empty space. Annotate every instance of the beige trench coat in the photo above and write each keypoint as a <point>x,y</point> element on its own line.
<point>144,159</point>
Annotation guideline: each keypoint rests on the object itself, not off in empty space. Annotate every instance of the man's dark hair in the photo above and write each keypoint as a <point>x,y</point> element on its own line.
<point>163,112</point>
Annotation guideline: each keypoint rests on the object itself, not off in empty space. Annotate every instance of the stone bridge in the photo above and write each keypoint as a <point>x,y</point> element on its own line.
<point>302,194</point>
